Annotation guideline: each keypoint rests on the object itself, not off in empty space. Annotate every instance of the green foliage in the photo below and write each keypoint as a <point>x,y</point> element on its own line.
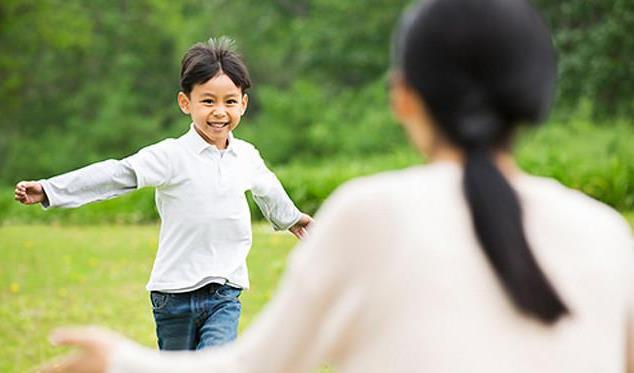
<point>310,184</point>
<point>303,122</point>
<point>86,81</point>
<point>90,81</point>
<point>596,159</point>
<point>596,53</point>
<point>629,216</point>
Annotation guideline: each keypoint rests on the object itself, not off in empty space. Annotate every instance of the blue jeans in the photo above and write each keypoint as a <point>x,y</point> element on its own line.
<point>194,320</point>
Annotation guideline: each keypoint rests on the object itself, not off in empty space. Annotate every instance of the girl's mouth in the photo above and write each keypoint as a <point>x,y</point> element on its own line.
<point>218,124</point>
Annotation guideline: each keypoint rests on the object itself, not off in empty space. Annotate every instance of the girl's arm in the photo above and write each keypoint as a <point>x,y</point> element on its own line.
<point>99,181</point>
<point>275,204</point>
<point>96,182</point>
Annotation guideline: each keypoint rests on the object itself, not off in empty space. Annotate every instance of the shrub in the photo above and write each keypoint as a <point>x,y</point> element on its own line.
<point>596,159</point>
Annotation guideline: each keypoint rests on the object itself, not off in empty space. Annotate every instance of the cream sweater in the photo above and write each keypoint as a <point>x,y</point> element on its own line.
<point>392,280</point>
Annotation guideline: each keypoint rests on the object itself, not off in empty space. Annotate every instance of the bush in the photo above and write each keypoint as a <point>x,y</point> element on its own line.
<point>307,122</point>
<point>310,184</point>
<point>596,159</point>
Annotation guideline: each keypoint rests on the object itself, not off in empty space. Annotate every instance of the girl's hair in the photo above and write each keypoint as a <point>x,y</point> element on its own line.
<point>483,67</point>
<point>204,61</point>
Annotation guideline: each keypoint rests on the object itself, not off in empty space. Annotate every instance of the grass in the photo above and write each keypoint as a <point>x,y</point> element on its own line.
<point>53,275</point>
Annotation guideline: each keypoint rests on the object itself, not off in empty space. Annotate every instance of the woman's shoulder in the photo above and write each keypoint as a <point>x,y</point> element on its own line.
<point>577,208</point>
<point>397,187</point>
<point>430,174</point>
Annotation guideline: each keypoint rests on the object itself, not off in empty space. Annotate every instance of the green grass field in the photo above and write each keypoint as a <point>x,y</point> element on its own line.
<point>53,275</point>
<point>63,275</point>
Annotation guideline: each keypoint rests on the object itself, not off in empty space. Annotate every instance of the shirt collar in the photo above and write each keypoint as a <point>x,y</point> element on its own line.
<point>198,144</point>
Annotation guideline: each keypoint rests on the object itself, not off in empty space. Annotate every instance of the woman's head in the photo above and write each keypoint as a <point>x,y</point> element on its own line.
<point>470,71</point>
<point>479,67</point>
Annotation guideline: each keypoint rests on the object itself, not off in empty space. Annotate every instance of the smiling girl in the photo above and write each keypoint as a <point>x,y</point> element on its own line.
<point>200,180</point>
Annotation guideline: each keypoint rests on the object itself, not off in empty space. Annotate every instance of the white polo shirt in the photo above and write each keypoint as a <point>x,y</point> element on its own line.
<point>205,233</point>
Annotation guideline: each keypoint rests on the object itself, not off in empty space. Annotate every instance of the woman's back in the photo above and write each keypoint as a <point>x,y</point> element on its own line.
<point>425,287</point>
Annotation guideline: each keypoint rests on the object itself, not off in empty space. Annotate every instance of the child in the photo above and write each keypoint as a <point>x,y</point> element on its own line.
<point>200,180</point>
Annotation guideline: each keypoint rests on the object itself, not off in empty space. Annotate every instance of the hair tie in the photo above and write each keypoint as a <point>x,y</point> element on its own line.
<point>479,129</point>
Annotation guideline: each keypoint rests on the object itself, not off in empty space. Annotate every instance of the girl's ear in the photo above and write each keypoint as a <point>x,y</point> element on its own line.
<point>184,103</point>
<point>245,101</point>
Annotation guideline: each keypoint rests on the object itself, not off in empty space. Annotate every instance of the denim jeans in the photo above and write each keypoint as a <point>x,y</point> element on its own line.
<point>194,320</point>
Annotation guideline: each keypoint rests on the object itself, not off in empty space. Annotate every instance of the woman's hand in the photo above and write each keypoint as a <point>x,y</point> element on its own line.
<point>29,192</point>
<point>300,228</point>
<point>95,347</point>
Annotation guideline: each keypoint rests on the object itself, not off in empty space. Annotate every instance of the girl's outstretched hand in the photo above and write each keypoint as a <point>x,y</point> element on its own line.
<point>95,347</point>
<point>300,228</point>
<point>29,192</point>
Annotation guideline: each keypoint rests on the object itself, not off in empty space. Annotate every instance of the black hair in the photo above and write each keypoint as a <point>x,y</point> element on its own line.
<point>204,61</point>
<point>482,68</point>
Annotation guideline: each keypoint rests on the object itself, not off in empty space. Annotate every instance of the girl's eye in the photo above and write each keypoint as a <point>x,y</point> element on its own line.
<point>207,101</point>
<point>232,102</point>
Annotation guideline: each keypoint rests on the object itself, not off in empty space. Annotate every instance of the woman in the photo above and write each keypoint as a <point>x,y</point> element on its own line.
<point>466,264</point>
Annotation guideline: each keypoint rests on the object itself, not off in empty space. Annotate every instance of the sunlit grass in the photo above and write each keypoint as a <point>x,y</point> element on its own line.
<point>60,275</point>
<point>52,276</point>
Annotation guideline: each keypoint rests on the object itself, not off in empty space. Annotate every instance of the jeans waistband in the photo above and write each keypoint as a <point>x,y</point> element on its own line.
<point>209,288</point>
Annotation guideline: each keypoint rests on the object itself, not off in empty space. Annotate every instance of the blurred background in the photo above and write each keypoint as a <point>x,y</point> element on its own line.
<point>83,81</point>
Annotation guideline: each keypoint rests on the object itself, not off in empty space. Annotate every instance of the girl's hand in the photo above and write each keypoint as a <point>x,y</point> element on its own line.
<point>95,347</point>
<point>29,192</point>
<point>299,229</point>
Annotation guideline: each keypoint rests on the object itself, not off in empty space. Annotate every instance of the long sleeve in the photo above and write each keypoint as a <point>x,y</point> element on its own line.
<point>278,208</point>
<point>150,166</point>
<point>306,323</point>
<point>96,182</point>
<point>271,198</point>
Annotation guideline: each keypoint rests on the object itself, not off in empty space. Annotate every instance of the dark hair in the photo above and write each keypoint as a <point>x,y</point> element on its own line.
<point>204,61</point>
<point>483,67</point>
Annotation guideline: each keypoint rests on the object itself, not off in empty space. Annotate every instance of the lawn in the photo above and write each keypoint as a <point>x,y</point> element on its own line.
<point>53,275</point>
<point>59,275</point>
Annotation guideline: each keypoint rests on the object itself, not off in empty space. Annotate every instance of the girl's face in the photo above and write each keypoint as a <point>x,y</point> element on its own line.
<point>215,107</point>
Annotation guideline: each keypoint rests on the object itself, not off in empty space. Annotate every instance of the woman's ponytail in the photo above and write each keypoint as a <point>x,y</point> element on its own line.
<point>497,220</point>
<point>481,69</point>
